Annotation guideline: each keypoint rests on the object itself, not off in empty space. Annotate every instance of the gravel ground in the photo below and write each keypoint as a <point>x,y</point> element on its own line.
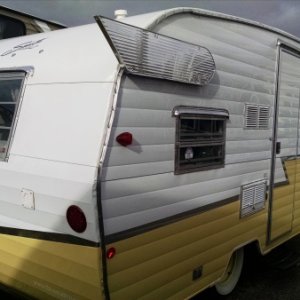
<point>275,276</point>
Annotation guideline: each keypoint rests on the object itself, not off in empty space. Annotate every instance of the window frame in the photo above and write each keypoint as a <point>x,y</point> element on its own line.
<point>13,74</point>
<point>198,113</point>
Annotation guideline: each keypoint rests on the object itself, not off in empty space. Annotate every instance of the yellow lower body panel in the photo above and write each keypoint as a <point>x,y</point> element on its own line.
<point>283,202</point>
<point>50,270</point>
<point>296,213</point>
<point>159,264</point>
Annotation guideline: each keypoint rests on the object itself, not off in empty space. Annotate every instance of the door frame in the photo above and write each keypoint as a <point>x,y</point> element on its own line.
<point>293,50</point>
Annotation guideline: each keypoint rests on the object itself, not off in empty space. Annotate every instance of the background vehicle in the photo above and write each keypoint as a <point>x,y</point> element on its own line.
<point>15,23</point>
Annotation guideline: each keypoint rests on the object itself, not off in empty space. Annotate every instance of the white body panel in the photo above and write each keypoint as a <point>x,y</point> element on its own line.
<point>139,186</point>
<point>68,104</point>
<point>54,62</point>
<point>60,110</point>
<point>61,124</point>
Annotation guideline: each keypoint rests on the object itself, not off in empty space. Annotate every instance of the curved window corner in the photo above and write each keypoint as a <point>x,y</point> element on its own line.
<point>200,138</point>
<point>10,90</point>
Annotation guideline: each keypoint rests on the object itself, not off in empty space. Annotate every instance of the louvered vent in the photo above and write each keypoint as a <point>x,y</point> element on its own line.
<point>253,197</point>
<point>153,55</point>
<point>257,116</point>
<point>263,117</point>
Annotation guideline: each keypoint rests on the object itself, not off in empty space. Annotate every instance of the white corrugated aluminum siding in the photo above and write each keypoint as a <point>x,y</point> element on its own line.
<point>139,185</point>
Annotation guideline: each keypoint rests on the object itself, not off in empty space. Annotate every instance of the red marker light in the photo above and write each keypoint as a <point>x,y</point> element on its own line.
<point>110,253</point>
<point>76,219</point>
<point>124,139</point>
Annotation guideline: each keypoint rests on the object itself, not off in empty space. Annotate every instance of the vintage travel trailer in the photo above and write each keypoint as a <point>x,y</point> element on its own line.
<point>139,158</point>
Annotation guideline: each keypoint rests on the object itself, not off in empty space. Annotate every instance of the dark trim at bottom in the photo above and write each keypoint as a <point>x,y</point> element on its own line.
<point>163,222</point>
<point>282,183</point>
<point>48,236</point>
<point>104,282</point>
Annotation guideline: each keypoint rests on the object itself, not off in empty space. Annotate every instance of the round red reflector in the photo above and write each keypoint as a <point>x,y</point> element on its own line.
<point>76,219</point>
<point>110,253</point>
<point>124,139</point>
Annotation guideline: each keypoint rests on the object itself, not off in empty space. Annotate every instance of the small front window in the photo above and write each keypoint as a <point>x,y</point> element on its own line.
<point>10,88</point>
<point>200,138</point>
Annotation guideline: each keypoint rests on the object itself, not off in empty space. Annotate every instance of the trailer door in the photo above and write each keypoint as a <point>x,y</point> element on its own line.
<point>285,165</point>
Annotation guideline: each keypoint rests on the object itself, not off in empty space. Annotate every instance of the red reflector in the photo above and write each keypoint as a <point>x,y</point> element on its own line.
<point>110,253</point>
<point>76,219</point>
<point>124,139</point>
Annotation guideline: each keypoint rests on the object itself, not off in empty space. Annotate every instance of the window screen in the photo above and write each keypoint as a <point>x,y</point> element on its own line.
<point>10,88</point>
<point>200,138</point>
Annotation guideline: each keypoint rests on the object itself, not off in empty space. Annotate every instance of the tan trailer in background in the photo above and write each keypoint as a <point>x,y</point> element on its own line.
<point>14,23</point>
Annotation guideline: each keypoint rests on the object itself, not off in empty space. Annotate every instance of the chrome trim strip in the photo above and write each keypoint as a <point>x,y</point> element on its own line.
<point>273,152</point>
<point>203,111</point>
<point>29,70</point>
<point>295,51</point>
<point>16,73</point>
<point>115,237</point>
<point>287,45</point>
<point>212,14</point>
<point>114,99</point>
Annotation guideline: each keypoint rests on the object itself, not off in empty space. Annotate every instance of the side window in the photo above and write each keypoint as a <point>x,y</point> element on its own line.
<point>200,138</point>
<point>10,88</point>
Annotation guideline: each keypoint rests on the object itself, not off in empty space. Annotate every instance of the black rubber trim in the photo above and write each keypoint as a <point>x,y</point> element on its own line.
<point>48,236</point>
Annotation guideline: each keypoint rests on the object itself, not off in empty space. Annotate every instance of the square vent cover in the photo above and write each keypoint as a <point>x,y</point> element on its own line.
<point>257,116</point>
<point>253,196</point>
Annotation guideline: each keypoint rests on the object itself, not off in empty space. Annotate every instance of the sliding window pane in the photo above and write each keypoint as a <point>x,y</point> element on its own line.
<point>7,114</point>
<point>4,134</point>
<point>10,89</point>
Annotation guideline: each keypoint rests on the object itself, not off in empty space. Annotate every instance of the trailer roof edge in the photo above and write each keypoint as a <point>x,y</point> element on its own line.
<point>150,20</point>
